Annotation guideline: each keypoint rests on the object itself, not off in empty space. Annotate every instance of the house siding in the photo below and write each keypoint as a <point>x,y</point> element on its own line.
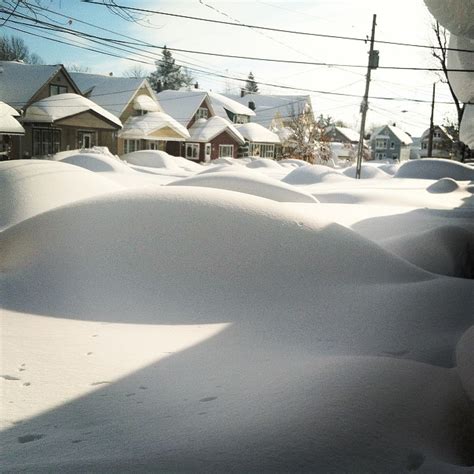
<point>399,151</point>
<point>204,105</point>
<point>61,79</point>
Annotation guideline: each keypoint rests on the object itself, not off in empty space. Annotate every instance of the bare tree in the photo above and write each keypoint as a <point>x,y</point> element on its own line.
<point>13,48</point>
<point>78,68</point>
<point>441,55</point>
<point>136,71</point>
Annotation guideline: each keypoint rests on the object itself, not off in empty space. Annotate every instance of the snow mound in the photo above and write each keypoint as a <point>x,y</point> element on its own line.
<point>445,250</point>
<point>29,187</point>
<point>310,174</point>
<point>263,163</point>
<point>366,172</point>
<point>256,185</point>
<point>435,168</point>
<point>97,162</point>
<point>443,185</point>
<point>220,168</point>
<point>389,168</point>
<point>465,361</point>
<point>160,159</point>
<point>293,161</point>
<point>227,161</point>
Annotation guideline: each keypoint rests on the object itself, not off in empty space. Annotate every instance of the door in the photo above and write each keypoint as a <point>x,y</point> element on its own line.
<point>207,152</point>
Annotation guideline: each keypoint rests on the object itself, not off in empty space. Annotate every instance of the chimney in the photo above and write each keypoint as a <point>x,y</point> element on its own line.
<point>196,85</point>
<point>252,105</point>
<point>111,74</point>
<point>394,124</point>
<point>242,92</point>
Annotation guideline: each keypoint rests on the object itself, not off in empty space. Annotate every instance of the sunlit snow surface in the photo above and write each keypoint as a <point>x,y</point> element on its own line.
<point>242,316</point>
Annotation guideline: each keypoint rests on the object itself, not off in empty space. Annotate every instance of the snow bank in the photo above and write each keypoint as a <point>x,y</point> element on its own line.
<point>97,162</point>
<point>311,174</point>
<point>263,163</point>
<point>366,172</point>
<point>293,161</point>
<point>256,185</point>
<point>29,187</point>
<point>160,159</point>
<point>465,358</point>
<point>435,168</point>
<point>443,185</point>
<point>444,250</point>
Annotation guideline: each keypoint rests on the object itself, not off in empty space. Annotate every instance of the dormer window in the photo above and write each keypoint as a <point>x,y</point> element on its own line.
<point>55,89</point>
<point>202,112</point>
<point>240,118</point>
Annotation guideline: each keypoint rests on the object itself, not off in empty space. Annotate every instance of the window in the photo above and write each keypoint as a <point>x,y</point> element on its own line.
<point>262,150</point>
<point>240,118</point>
<point>226,151</point>
<point>381,143</point>
<point>55,89</point>
<point>131,145</point>
<point>202,113</point>
<point>392,145</point>
<point>424,146</point>
<point>192,151</point>
<point>394,156</point>
<point>46,141</point>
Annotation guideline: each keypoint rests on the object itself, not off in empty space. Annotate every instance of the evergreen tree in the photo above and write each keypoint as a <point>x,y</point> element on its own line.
<point>251,87</point>
<point>168,74</point>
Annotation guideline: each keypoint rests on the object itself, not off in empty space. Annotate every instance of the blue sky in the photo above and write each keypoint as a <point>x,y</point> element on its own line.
<point>402,21</point>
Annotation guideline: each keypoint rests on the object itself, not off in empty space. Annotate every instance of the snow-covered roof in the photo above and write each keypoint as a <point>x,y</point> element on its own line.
<point>221,103</point>
<point>182,105</point>
<point>146,103</point>
<point>110,92</point>
<point>205,130</point>
<point>437,127</point>
<point>256,133</point>
<point>398,132</point>
<point>60,106</point>
<point>350,134</point>
<point>8,124</point>
<point>19,82</point>
<point>269,106</point>
<point>142,126</point>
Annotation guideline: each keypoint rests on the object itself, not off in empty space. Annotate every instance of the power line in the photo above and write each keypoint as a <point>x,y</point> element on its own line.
<point>253,58</point>
<point>279,86</point>
<point>279,30</point>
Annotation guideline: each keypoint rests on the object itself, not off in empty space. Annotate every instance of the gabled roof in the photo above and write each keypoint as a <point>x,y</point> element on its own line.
<point>143,126</point>
<point>221,103</point>
<point>182,105</point>
<point>110,92</point>
<point>437,127</point>
<point>256,133</point>
<point>348,133</point>
<point>398,132</point>
<point>206,130</point>
<point>269,106</point>
<point>19,82</point>
<point>57,107</point>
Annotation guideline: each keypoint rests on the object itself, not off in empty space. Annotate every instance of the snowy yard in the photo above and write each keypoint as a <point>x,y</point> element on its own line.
<point>244,316</point>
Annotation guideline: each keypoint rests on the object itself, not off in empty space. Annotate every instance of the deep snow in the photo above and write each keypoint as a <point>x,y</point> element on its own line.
<point>224,323</point>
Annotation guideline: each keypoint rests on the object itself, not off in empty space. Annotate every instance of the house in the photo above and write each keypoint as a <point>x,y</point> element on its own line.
<point>390,143</point>
<point>209,119</point>
<point>146,126</point>
<point>54,114</point>
<point>9,126</point>
<point>211,139</point>
<point>260,141</point>
<point>442,143</point>
<point>275,111</point>
<point>343,142</point>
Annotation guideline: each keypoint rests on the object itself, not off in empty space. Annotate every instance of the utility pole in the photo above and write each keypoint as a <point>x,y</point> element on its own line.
<point>430,137</point>
<point>373,64</point>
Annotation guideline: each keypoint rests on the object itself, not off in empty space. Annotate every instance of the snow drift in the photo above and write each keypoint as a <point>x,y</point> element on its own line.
<point>435,168</point>
<point>256,185</point>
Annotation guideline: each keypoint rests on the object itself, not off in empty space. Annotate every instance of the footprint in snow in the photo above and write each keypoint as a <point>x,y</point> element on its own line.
<point>9,377</point>
<point>207,399</point>
<point>30,437</point>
